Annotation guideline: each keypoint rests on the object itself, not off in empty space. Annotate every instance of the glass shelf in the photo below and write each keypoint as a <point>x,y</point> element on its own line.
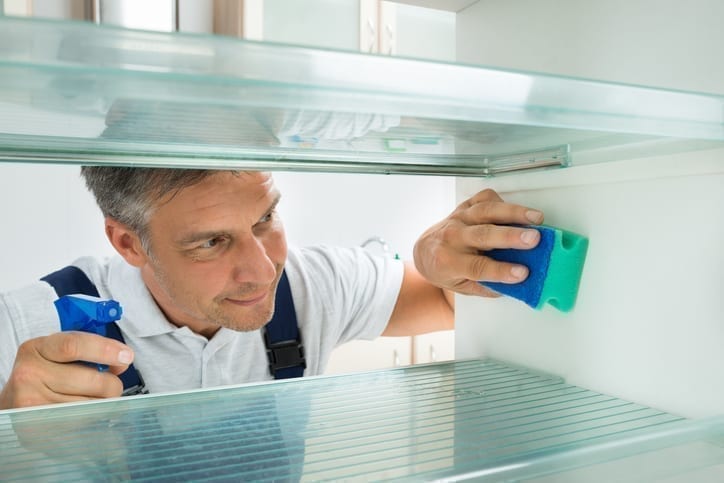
<point>465,419</point>
<point>73,92</point>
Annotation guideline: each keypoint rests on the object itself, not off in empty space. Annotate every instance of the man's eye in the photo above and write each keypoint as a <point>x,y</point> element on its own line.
<point>267,218</point>
<point>211,243</point>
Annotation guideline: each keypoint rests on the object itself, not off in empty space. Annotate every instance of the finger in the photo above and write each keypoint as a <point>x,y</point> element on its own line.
<point>479,197</point>
<point>117,370</point>
<point>82,346</point>
<point>82,380</point>
<point>38,396</point>
<point>482,268</point>
<point>50,397</point>
<point>499,212</point>
<point>36,380</point>
<point>488,237</point>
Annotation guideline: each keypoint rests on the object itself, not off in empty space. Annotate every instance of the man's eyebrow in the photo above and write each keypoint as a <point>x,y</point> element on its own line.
<point>192,238</point>
<point>274,204</point>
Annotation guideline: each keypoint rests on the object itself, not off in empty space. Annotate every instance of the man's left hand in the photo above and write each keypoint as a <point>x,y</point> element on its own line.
<point>451,254</point>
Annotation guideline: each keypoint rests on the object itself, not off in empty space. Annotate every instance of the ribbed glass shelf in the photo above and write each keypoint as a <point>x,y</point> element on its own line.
<point>73,92</point>
<point>477,419</point>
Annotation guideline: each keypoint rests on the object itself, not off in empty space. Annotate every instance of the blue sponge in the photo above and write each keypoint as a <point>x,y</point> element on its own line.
<point>554,265</point>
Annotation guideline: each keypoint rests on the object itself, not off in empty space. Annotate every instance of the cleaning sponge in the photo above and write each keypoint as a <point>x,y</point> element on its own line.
<point>555,267</point>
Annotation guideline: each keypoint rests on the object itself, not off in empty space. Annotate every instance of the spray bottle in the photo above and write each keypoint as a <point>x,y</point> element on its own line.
<point>87,314</point>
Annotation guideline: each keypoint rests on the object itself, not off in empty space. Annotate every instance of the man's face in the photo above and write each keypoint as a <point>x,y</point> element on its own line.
<point>218,250</point>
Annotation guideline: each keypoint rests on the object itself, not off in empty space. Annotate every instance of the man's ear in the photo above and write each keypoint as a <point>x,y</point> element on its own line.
<point>126,242</point>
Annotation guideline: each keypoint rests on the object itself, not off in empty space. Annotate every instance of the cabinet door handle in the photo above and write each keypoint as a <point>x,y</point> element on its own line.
<point>372,30</point>
<point>395,358</point>
<point>433,355</point>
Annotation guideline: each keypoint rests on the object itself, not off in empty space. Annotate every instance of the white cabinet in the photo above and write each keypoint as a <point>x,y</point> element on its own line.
<point>434,347</point>
<point>362,355</point>
<point>389,352</point>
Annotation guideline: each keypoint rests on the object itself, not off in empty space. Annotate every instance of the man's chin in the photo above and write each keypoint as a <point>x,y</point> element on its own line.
<point>247,324</point>
<point>250,327</point>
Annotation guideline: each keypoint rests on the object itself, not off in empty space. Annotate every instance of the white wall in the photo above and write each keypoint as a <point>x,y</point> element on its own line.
<point>664,43</point>
<point>48,220</point>
<point>346,210</point>
<point>425,33</point>
<point>648,325</point>
<point>320,23</point>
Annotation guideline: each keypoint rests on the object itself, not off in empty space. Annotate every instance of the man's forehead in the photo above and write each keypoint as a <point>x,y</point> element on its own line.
<point>260,175</point>
<point>254,191</point>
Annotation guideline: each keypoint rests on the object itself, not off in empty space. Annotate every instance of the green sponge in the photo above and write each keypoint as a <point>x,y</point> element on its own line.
<point>555,267</point>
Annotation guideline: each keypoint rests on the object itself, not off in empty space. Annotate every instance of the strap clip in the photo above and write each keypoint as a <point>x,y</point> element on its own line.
<point>135,389</point>
<point>284,354</point>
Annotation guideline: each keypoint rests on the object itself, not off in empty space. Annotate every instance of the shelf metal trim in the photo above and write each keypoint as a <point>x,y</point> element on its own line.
<point>27,149</point>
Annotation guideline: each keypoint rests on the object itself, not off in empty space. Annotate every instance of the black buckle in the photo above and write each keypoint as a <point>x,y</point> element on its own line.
<point>135,390</point>
<point>139,388</point>
<point>284,354</point>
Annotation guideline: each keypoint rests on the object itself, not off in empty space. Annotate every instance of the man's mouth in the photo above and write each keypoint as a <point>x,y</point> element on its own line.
<point>247,301</point>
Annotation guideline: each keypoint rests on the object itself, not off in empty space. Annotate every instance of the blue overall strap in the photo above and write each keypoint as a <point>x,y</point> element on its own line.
<point>72,280</point>
<point>283,342</point>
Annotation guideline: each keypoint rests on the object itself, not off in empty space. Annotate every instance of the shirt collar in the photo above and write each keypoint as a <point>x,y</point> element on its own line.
<point>141,315</point>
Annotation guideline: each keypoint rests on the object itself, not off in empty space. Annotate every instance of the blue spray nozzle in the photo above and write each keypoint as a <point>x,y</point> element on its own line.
<point>87,314</point>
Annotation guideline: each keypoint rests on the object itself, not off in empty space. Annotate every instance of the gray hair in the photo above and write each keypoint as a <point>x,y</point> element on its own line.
<point>130,195</point>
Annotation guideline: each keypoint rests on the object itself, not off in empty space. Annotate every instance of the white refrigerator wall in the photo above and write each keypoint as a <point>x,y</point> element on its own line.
<point>649,323</point>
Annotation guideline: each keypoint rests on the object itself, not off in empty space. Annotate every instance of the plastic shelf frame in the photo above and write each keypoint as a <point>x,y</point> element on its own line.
<point>75,92</point>
<point>479,419</point>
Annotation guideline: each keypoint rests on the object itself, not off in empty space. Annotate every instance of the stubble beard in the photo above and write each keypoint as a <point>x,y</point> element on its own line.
<point>215,312</point>
<point>256,321</point>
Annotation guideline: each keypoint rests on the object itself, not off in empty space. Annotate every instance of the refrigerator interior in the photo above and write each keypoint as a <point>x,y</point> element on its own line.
<point>625,386</point>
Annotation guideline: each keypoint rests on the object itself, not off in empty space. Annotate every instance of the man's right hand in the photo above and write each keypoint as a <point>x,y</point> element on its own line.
<point>47,370</point>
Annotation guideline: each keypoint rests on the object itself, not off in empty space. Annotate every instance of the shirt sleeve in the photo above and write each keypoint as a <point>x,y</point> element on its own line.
<point>8,340</point>
<point>370,294</point>
<point>25,313</point>
<point>349,292</point>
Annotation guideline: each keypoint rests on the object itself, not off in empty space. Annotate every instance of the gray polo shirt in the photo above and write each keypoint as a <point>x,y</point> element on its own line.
<point>339,295</point>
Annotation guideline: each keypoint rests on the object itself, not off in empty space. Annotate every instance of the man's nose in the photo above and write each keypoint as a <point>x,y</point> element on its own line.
<point>252,263</point>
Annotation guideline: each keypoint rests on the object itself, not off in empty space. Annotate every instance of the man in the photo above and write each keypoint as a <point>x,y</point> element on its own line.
<point>201,254</point>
